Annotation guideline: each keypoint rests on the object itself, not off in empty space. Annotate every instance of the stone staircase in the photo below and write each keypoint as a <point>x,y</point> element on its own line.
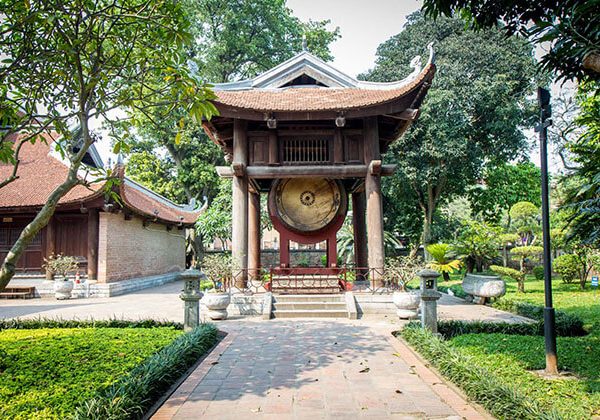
<point>313,306</point>
<point>305,284</point>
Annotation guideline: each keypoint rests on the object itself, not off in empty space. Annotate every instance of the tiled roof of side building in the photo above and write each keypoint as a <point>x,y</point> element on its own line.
<point>41,171</point>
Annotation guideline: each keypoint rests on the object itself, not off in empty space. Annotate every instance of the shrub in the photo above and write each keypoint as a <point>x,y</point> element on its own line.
<point>134,394</point>
<point>456,290</point>
<point>443,259</point>
<point>503,400</point>
<point>567,325</point>
<point>525,252</point>
<point>401,271</point>
<point>567,266</point>
<point>477,245</point>
<point>36,323</point>
<point>516,275</point>
<point>538,272</point>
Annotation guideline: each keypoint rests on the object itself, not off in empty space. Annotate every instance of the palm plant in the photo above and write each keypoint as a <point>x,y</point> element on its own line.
<point>345,243</point>
<point>443,259</point>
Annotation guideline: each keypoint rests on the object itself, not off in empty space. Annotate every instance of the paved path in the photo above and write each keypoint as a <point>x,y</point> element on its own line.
<point>312,370</point>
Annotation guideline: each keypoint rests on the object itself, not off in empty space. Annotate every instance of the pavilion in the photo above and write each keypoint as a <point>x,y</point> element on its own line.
<point>312,137</point>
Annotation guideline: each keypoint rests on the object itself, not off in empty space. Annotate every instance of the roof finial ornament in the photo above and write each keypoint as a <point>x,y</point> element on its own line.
<point>304,43</point>
<point>120,159</point>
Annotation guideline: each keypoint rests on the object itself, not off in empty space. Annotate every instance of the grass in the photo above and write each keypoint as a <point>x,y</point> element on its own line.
<point>509,361</point>
<point>48,372</point>
<point>512,359</point>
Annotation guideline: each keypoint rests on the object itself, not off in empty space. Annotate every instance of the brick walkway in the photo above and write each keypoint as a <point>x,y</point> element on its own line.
<point>313,370</point>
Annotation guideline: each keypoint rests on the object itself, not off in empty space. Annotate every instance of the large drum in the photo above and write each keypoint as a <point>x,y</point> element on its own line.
<point>308,205</point>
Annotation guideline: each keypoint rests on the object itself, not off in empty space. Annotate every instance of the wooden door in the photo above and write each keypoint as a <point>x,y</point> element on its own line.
<point>32,258</point>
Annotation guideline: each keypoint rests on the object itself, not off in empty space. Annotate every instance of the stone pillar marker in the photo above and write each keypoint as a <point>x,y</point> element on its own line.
<point>191,296</point>
<point>429,298</point>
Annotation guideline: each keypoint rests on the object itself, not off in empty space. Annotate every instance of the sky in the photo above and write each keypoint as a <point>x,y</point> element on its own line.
<point>363,26</point>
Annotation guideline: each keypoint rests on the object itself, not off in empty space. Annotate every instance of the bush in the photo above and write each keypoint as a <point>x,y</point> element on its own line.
<point>134,394</point>
<point>567,265</point>
<point>36,323</point>
<point>456,290</point>
<point>516,275</point>
<point>538,272</point>
<point>503,400</point>
<point>567,325</point>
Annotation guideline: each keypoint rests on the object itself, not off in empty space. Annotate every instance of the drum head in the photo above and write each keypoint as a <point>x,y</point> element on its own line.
<point>307,204</point>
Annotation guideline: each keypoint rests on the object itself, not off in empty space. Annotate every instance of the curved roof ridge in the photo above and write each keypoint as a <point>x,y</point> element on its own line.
<point>307,63</point>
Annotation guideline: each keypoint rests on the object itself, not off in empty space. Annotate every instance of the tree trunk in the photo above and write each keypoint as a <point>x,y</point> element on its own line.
<point>446,276</point>
<point>426,234</point>
<point>505,256</point>
<point>521,286</point>
<point>592,61</point>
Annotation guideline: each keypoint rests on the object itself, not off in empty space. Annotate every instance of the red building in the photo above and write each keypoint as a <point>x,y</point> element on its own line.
<point>142,236</point>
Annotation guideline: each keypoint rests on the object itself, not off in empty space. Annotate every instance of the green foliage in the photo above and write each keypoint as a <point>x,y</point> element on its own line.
<point>567,266</point>
<point>401,270</point>
<point>452,328</point>
<point>218,269</point>
<point>460,130</point>
<point>443,260</point>
<point>216,221</point>
<point>345,243</point>
<point>570,26</point>
<point>455,289</point>
<point>132,395</point>
<point>526,252</point>
<point>37,323</point>
<point>501,398</point>
<point>508,272</point>
<point>524,220</point>
<point>48,372</point>
<point>503,186</point>
<point>583,183</point>
<point>477,245</point>
<point>538,272</point>
<point>567,324</point>
<point>514,359</point>
<point>60,264</point>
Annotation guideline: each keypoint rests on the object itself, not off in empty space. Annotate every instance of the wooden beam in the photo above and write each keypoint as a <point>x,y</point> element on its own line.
<point>239,237</point>
<point>92,243</point>
<point>330,171</point>
<point>374,204</point>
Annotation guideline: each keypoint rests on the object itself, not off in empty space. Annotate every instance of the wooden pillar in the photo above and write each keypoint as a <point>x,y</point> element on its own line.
<point>360,231</point>
<point>254,235</point>
<point>50,243</point>
<point>92,244</point>
<point>239,234</point>
<point>273,149</point>
<point>374,203</point>
<point>332,251</point>
<point>338,147</point>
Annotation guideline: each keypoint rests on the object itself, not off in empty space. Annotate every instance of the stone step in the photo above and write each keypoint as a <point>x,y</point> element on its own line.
<point>326,298</point>
<point>295,291</point>
<point>18,292</point>
<point>310,313</point>
<point>309,305</point>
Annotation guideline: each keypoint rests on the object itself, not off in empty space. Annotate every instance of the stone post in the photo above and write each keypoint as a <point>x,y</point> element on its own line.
<point>191,296</point>
<point>429,298</point>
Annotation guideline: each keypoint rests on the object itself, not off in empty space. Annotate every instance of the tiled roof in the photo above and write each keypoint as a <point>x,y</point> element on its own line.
<point>147,203</point>
<point>317,99</point>
<point>40,173</point>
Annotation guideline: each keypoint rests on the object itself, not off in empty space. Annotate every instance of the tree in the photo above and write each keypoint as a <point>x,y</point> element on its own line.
<point>471,117</point>
<point>443,259</point>
<point>477,245</point>
<point>525,221</point>
<point>65,63</point>
<point>216,221</point>
<point>570,26</point>
<point>506,240</point>
<point>577,265</point>
<point>583,188</point>
<point>233,40</point>
<point>504,185</point>
<point>525,252</point>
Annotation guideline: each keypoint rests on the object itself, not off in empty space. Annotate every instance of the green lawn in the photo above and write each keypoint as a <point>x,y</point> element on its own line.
<point>46,373</point>
<point>513,359</point>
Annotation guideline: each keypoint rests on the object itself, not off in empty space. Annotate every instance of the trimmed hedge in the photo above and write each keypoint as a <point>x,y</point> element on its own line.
<point>457,290</point>
<point>135,393</point>
<point>567,325</point>
<point>36,323</point>
<point>503,400</point>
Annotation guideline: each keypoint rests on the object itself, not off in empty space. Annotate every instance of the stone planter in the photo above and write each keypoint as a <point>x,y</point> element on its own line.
<point>483,287</point>
<point>217,304</point>
<point>63,289</point>
<point>407,304</point>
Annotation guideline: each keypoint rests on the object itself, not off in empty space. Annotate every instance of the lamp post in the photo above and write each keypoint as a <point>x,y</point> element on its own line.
<point>549,317</point>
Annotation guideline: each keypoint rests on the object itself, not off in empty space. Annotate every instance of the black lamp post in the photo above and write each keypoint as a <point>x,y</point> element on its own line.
<point>549,317</point>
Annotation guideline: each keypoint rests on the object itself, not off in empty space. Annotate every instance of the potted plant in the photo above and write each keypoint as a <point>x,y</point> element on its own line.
<point>59,266</point>
<point>218,269</point>
<point>400,271</point>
